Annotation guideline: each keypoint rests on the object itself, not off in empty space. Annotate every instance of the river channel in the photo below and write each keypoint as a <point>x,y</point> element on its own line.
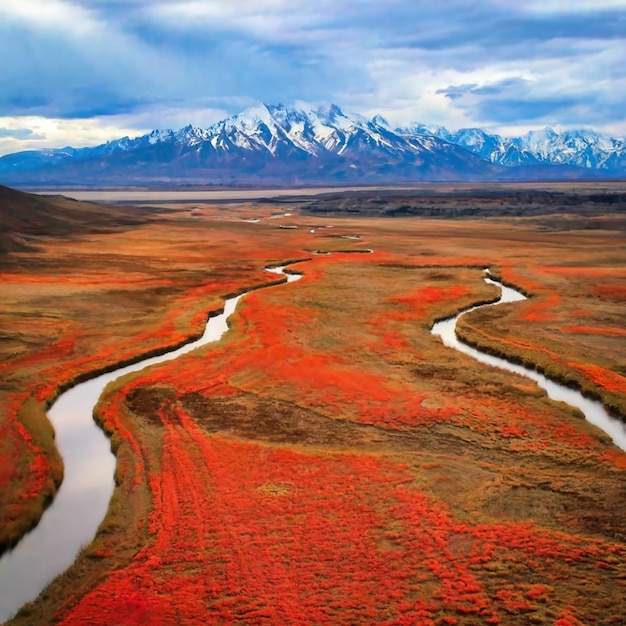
<point>82,501</point>
<point>594,411</point>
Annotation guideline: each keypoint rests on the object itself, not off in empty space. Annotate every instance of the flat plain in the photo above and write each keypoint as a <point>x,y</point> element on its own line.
<point>328,460</point>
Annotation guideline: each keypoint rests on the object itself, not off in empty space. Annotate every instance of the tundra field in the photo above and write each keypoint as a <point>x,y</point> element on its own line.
<point>328,461</point>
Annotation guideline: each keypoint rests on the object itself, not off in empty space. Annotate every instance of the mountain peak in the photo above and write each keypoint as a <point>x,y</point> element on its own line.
<point>312,143</point>
<point>579,148</point>
<point>379,120</point>
<point>254,114</point>
<point>546,133</point>
<point>330,112</point>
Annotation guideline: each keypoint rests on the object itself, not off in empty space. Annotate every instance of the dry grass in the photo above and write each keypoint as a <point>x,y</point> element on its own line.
<point>330,460</point>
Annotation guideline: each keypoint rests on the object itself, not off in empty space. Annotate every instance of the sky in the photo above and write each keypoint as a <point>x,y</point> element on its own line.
<point>81,72</point>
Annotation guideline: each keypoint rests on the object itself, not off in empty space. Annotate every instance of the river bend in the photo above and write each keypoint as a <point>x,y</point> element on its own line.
<point>81,503</point>
<point>71,521</point>
<point>593,410</point>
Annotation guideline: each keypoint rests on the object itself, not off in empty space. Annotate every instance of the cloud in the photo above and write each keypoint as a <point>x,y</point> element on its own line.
<point>20,134</point>
<point>116,59</point>
<point>558,6</point>
<point>498,30</point>
<point>516,100</point>
<point>464,62</point>
<point>455,92</point>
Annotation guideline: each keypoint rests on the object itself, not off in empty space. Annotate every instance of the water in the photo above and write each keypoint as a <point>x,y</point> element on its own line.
<point>594,411</point>
<point>82,501</point>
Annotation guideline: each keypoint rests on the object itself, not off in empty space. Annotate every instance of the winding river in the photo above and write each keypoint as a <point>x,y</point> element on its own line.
<point>594,411</point>
<point>81,503</point>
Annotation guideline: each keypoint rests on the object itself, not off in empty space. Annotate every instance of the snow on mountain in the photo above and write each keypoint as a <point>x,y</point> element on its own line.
<point>320,144</point>
<point>269,127</point>
<point>280,132</point>
<point>581,148</point>
<point>424,130</point>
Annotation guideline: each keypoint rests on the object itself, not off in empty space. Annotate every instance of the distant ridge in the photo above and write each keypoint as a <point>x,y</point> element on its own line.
<point>580,148</point>
<point>27,217</point>
<point>275,144</point>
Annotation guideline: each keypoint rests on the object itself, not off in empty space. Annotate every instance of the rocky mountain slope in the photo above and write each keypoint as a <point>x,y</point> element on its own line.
<point>289,146</point>
<point>579,148</point>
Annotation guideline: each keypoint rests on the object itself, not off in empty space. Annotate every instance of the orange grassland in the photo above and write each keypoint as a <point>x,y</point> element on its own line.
<point>328,461</point>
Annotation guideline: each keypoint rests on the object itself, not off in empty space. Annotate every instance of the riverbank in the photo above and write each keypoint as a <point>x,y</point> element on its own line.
<point>591,409</point>
<point>596,382</point>
<point>90,467</point>
<point>59,337</point>
<point>405,476</point>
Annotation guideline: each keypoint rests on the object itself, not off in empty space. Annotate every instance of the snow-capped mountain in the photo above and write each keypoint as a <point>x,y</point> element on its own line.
<point>265,143</point>
<point>580,148</point>
<point>297,145</point>
<point>279,130</point>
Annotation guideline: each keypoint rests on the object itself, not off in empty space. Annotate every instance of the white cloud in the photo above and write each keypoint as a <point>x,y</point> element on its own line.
<point>57,133</point>
<point>114,67</point>
<point>51,15</point>
<point>270,20</point>
<point>60,133</point>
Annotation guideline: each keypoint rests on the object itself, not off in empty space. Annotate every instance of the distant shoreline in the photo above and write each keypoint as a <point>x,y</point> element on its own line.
<point>208,193</point>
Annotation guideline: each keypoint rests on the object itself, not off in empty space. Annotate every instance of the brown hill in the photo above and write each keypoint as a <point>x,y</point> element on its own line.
<point>24,217</point>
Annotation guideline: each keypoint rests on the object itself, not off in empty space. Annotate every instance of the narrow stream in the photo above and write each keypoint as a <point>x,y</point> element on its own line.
<point>82,501</point>
<point>594,411</point>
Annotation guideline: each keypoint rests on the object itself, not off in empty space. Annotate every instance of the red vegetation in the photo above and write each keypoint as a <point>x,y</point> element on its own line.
<point>596,330</point>
<point>611,292</point>
<point>27,474</point>
<point>419,303</point>
<point>542,310</point>
<point>405,510</point>
<point>246,533</point>
<point>76,336</point>
<point>241,532</point>
<point>605,378</point>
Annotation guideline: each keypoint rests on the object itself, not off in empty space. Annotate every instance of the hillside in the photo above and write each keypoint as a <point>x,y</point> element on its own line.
<point>26,217</point>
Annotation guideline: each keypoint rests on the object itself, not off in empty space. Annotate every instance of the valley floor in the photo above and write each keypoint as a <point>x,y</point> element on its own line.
<point>329,460</point>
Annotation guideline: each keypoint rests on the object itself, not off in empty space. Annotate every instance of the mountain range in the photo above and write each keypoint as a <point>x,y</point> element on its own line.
<point>580,148</point>
<point>268,144</point>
